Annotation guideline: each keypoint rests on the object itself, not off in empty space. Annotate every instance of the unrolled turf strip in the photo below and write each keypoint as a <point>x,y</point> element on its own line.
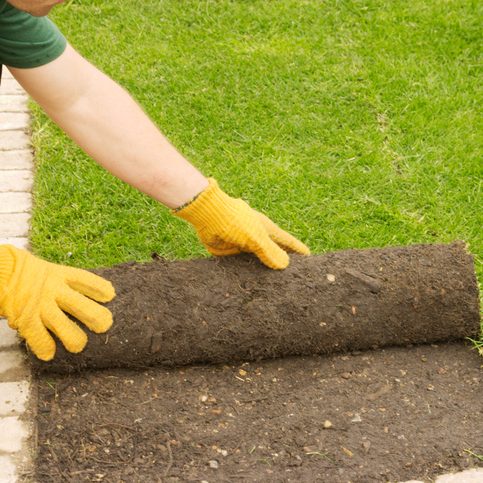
<point>233,308</point>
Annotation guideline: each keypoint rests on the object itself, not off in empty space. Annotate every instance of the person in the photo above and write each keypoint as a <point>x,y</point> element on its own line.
<point>105,121</point>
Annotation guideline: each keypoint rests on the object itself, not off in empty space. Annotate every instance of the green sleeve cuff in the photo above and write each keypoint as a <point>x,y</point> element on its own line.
<point>39,58</point>
<point>27,41</point>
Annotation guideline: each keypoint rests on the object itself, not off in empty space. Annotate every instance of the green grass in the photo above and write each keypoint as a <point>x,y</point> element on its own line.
<point>351,123</point>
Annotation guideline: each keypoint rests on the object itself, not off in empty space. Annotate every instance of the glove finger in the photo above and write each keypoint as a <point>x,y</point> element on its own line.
<point>89,284</point>
<point>268,252</point>
<point>220,247</point>
<point>257,241</point>
<point>38,338</point>
<point>70,334</point>
<point>282,238</point>
<point>96,317</point>
<point>221,252</point>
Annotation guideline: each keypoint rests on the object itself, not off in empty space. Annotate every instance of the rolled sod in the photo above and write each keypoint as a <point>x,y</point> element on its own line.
<point>234,309</point>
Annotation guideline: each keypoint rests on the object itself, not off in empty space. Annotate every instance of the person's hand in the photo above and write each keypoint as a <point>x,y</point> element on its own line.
<point>34,293</point>
<point>227,226</point>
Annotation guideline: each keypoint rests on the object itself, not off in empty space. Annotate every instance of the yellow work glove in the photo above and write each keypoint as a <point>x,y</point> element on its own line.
<point>34,293</point>
<point>227,226</point>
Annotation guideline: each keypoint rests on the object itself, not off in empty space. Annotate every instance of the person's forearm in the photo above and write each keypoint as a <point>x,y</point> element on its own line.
<point>108,124</point>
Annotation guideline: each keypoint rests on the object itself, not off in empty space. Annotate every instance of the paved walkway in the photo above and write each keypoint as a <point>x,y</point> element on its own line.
<point>16,166</point>
<point>17,401</point>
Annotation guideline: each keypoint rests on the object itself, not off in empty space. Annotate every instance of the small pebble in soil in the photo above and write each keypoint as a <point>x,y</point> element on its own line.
<point>345,375</point>
<point>356,419</point>
<point>327,424</point>
<point>348,452</point>
<point>330,277</point>
<point>213,464</point>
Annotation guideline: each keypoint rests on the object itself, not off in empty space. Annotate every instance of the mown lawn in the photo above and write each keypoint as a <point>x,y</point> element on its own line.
<point>351,123</point>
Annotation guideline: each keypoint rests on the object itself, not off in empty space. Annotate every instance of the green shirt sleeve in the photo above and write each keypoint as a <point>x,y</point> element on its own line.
<point>27,41</point>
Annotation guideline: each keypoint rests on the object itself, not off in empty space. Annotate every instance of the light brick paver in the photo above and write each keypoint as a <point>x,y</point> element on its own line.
<point>8,337</point>
<point>14,225</point>
<point>16,430</point>
<point>8,469</point>
<point>14,139</point>
<point>9,360</point>
<point>13,120</point>
<point>16,159</point>
<point>15,202</point>
<point>13,397</point>
<point>16,241</point>
<point>10,86</point>
<point>15,180</point>
<point>474,475</point>
<point>17,103</point>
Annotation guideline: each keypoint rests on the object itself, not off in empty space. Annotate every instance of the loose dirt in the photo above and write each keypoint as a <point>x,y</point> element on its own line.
<point>386,415</point>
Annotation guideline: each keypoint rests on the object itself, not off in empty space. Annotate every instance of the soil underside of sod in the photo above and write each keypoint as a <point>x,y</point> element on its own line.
<point>395,414</point>
<point>223,310</point>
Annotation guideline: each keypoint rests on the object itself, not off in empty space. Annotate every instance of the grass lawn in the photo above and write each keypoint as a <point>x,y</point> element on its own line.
<point>350,123</point>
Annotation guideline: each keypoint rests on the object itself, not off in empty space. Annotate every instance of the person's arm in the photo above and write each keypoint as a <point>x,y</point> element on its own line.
<point>104,120</point>
<point>111,127</point>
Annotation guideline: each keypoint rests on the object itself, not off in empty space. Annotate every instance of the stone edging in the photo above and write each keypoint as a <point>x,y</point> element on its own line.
<point>17,416</point>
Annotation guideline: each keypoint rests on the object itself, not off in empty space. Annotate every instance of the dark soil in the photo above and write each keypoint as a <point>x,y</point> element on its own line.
<point>395,414</point>
<point>386,415</point>
<point>235,309</point>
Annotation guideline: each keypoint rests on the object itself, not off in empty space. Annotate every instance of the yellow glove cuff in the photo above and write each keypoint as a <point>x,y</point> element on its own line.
<point>205,208</point>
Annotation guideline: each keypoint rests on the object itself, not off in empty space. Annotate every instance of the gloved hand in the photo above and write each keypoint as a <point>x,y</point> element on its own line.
<point>227,226</point>
<point>33,294</point>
